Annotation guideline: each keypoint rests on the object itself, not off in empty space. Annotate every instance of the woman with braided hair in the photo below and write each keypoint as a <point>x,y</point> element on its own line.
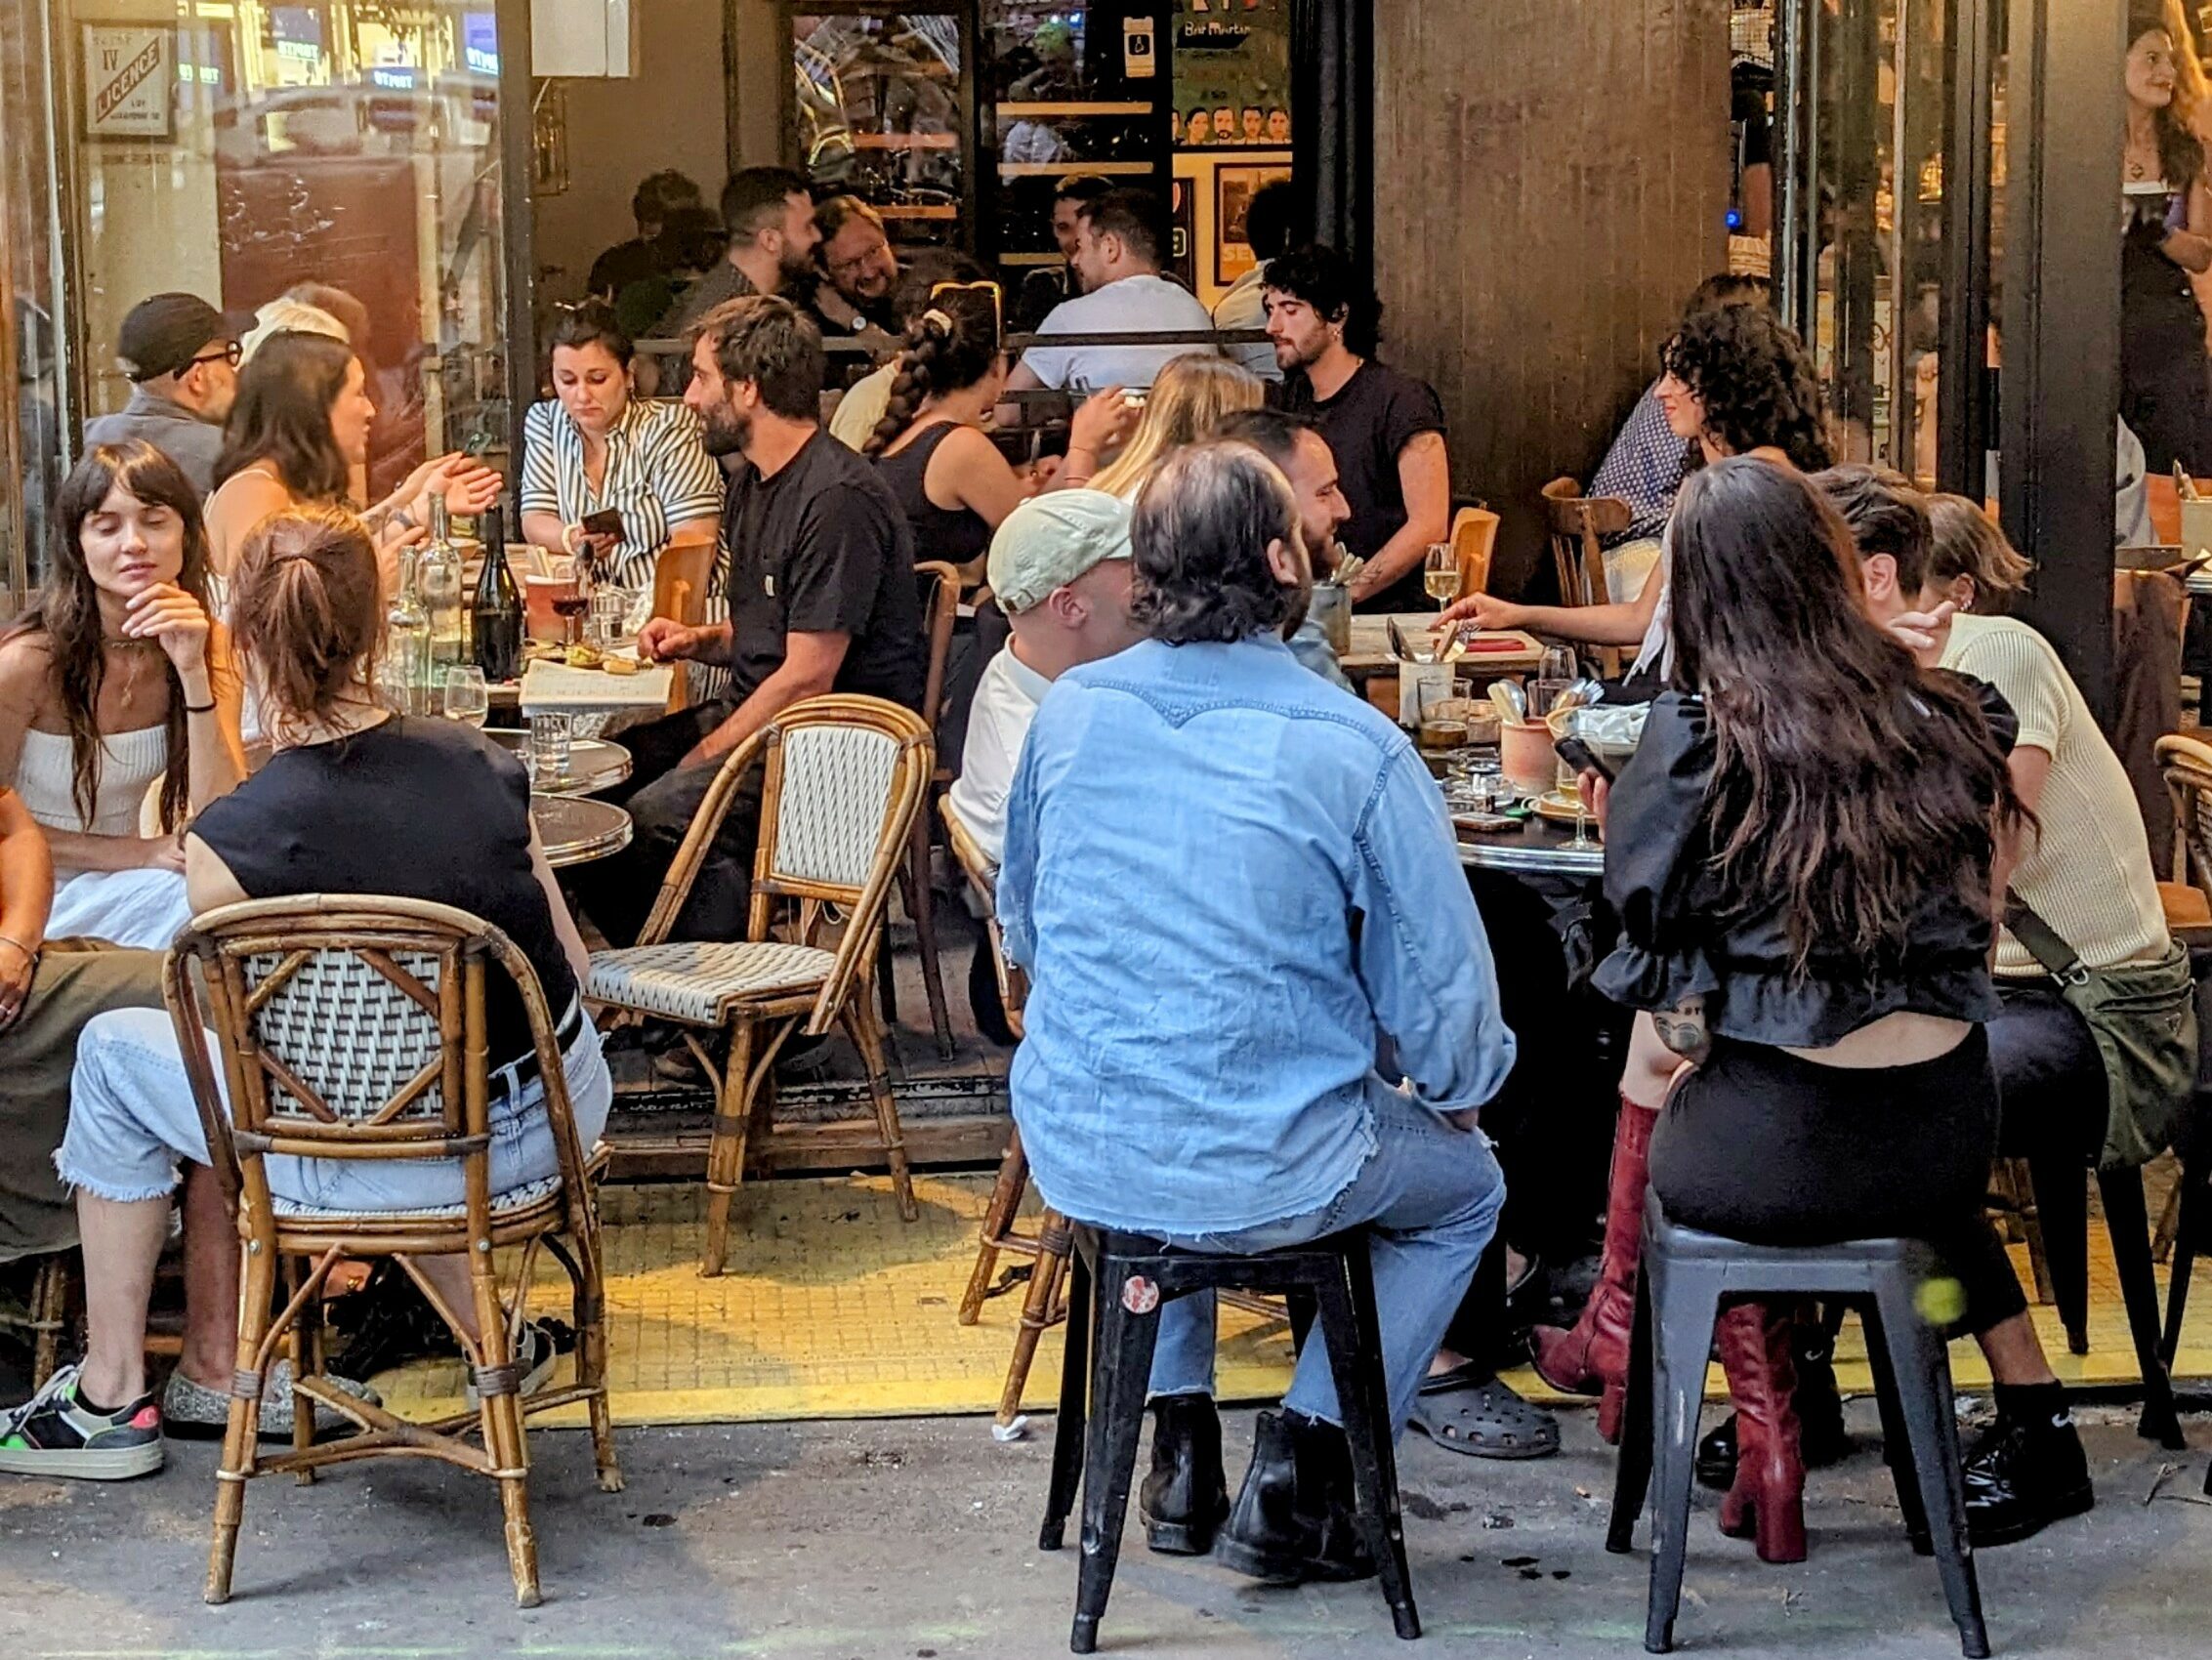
<point>948,475</point>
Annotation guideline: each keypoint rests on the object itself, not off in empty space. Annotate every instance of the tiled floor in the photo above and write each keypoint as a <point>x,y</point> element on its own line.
<point>834,1307</point>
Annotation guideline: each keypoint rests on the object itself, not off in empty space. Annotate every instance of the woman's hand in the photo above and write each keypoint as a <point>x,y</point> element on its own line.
<point>161,852</point>
<point>468,486</point>
<point>1597,794</point>
<point>598,546</point>
<point>1105,420</point>
<point>1920,632</point>
<point>1484,611</point>
<point>17,968</point>
<point>173,620</point>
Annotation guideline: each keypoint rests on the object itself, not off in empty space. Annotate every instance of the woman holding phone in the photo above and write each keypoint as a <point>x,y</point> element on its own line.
<point>621,480</point>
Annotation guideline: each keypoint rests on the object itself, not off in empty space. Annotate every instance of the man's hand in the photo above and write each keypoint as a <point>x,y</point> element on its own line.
<point>664,639</point>
<point>17,968</point>
<point>173,620</point>
<point>1918,632</point>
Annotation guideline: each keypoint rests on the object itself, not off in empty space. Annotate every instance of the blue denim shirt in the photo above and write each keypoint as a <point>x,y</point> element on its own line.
<point>1235,890</point>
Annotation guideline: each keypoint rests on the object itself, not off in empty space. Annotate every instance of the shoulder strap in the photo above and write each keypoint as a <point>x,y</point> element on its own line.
<point>2045,943</point>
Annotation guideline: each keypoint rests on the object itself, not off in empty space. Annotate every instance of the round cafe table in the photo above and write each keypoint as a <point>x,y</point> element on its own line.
<point>577,829</point>
<point>1536,848</point>
<point>594,764</point>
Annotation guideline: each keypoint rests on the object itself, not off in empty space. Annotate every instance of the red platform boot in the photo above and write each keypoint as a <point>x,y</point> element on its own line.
<point>1767,1502</point>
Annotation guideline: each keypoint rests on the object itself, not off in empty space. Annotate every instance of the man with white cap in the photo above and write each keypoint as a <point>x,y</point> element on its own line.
<point>1060,568</point>
<point>181,355</point>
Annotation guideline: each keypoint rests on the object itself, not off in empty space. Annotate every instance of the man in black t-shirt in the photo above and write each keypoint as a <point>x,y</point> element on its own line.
<point>1385,428</point>
<point>822,599</point>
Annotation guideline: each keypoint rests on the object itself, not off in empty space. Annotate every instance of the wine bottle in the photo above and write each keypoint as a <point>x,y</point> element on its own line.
<point>497,611</point>
<point>437,576</point>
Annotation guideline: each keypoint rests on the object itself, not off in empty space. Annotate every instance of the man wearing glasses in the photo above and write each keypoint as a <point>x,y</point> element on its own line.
<point>862,270</point>
<point>181,355</point>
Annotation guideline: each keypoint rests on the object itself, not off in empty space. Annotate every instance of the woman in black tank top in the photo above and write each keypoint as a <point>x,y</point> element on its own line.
<point>949,477</point>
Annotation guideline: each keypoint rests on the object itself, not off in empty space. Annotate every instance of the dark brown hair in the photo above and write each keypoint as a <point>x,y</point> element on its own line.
<point>1849,784</point>
<point>772,342</point>
<point>282,415</point>
<point>66,611</point>
<point>950,347</point>
<point>592,323</point>
<point>1134,216</point>
<point>1755,379</point>
<point>310,610</point>
<point>1885,515</point>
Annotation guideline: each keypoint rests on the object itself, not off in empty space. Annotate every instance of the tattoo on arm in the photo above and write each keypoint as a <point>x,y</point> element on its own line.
<point>1681,1029</point>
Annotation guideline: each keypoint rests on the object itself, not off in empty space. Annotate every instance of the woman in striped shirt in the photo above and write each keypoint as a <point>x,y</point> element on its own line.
<point>599,448</point>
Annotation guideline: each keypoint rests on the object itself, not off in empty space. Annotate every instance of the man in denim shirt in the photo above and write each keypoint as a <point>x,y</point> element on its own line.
<point>1235,892</point>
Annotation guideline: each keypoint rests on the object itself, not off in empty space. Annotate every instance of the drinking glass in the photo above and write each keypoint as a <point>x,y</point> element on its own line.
<point>610,607</point>
<point>1582,839</point>
<point>1440,572</point>
<point>467,698</point>
<point>549,750</point>
<point>1555,671</point>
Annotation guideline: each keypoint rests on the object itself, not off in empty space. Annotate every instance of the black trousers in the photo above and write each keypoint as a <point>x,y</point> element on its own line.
<point>2051,1085</point>
<point>1761,1145</point>
<point>617,893</point>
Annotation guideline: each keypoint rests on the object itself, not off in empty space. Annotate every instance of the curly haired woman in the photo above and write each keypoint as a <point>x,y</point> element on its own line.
<point>1736,380</point>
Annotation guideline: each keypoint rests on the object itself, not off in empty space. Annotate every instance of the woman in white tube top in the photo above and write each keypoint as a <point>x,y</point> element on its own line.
<point>114,688</point>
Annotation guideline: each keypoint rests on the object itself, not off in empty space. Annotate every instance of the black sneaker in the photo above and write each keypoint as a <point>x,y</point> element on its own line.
<point>2021,1477</point>
<point>53,1433</point>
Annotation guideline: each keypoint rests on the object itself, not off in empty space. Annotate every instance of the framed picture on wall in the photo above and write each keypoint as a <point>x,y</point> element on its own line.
<point>1233,189</point>
<point>129,80</point>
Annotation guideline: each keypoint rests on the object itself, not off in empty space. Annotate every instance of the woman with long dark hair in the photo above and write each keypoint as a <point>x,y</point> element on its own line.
<point>115,684</point>
<point>1735,380</point>
<point>2165,371</point>
<point>1802,854</point>
<point>298,437</point>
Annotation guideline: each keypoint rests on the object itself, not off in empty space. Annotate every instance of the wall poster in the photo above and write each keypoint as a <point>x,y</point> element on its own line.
<point>129,80</point>
<point>1231,74</point>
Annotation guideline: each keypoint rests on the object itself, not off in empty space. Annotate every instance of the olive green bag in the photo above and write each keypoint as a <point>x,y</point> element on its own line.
<point>2143,1018</point>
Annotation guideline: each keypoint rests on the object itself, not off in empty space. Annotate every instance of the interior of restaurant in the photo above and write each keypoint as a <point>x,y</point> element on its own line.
<point>1534,188</point>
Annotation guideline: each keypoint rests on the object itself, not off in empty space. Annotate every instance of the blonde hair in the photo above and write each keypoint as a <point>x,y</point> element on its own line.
<point>1194,395</point>
<point>1967,544</point>
<point>2192,93</point>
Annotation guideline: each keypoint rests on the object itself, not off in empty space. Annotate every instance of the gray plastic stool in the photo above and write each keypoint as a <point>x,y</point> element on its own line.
<point>1687,1275</point>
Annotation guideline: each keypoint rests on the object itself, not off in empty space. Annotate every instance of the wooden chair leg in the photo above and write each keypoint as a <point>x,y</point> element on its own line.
<point>726,1152</point>
<point>301,1343</point>
<point>921,905</point>
<point>867,1037</point>
<point>998,1216</point>
<point>499,1409</point>
<point>49,1315</point>
<point>1038,1311</point>
<point>242,1435</point>
<point>587,1276</point>
<point>2169,1222</point>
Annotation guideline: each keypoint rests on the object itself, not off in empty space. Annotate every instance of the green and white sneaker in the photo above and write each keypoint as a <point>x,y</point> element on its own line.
<point>53,1433</point>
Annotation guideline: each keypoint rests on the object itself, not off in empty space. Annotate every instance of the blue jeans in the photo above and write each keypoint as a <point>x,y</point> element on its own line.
<point>133,1119</point>
<point>1429,1198</point>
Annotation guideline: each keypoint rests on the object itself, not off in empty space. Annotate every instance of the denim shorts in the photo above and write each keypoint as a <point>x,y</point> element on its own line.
<point>133,1120</point>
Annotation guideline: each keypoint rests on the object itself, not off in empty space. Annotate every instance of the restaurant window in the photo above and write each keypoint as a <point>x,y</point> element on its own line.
<point>236,150</point>
<point>31,407</point>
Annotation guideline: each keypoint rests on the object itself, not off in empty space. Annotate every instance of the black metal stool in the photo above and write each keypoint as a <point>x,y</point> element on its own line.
<point>1120,1330</point>
<point>1685,1277</point>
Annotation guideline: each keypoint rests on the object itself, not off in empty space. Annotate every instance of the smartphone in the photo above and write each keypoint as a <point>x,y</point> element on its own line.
<point>1582,758</point>
<point>607,523</point>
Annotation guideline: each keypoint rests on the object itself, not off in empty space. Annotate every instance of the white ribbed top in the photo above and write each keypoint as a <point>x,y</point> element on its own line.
<point>129,762</point>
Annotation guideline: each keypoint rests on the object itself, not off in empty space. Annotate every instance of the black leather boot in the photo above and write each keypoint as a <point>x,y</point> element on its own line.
<point>1295,1517</point>
<point>1185,1496</point>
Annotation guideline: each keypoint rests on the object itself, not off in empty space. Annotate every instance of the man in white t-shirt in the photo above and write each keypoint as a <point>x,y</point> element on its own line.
<point>1117,260</point>
<point>2085,868</point>
<point>1060,568</point>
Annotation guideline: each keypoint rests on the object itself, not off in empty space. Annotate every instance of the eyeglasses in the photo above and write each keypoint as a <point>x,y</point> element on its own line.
<point>859,260</point>
<point>232,354</point>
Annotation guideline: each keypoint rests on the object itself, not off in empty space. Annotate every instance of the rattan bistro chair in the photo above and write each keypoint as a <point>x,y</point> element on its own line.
<point>940,613</point>
<point>844,778</point>
<point>353,1029</point>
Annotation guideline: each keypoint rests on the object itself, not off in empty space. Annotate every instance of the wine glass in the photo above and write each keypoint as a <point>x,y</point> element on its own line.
<point>1440,572</point>
<point>467,698</point>
<point>1555,671</point>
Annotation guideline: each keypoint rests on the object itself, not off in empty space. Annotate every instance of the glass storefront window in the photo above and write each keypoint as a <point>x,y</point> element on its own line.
<point>246,149</point>
<point>881,115</point>
<point>31,407</point>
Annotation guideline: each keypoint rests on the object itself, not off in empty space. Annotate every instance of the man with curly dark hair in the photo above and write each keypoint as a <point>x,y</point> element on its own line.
<point>1233,887</point>
<point>1735,380</point>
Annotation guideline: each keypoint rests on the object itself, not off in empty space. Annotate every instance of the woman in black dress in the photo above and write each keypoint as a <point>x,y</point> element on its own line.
<point>2165,373</point>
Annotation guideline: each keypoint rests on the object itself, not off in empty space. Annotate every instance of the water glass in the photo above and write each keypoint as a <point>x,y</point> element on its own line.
<point>549,751</point>
<point>610,608</point>
<point>467,698</point>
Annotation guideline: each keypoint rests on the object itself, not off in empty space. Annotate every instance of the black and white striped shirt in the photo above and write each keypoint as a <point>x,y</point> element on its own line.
<point>658,476</point>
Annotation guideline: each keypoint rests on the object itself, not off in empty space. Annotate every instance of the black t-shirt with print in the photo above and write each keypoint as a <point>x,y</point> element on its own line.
<point>822,548</point>
<point>1368,422</point>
